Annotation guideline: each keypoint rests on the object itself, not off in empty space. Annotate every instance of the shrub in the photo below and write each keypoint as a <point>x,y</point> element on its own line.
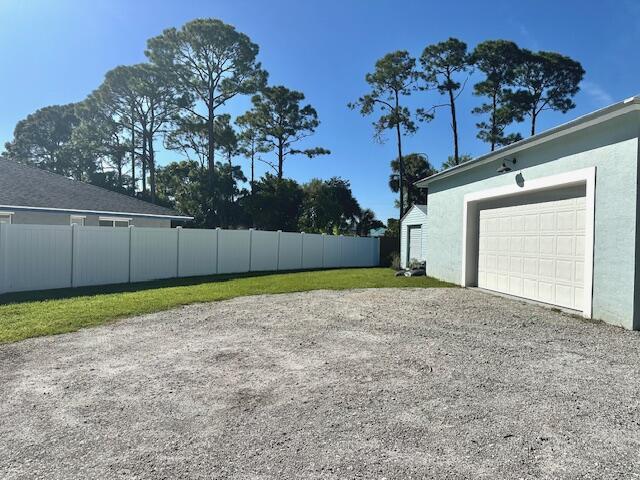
<point>394,260</point>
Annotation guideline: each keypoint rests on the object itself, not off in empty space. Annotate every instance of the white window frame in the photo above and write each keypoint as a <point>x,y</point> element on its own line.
<point>113,220</point>
<point>9,214</point>
<point>79,219</point>
<point>585,176</point>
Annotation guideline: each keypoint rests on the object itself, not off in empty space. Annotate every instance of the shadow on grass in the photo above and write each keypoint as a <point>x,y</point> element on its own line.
<point>62,293</point>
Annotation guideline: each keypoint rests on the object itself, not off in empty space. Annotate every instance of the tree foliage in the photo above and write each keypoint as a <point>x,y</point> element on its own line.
<point>213,62</point>
<point>329,207</point>
<point>441,65</point>
<point>281,122</point>
<point>498,60</point>
<point>276,203</point>
<point>546,81</point>
<point>43,139</point>
<point>395,76</point>
<point>451,161</point>
<point>416,167</point>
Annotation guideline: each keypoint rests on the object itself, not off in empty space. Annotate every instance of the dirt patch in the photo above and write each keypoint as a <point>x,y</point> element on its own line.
<point>443,383</point>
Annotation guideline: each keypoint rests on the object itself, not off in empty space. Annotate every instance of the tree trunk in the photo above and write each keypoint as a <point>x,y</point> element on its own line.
<point>210,135</point>
<point>400,162</point>
<point>533,123</point>
<point>230,176</point>
<point>454,126</point>
<point>253,154</point>
<point>144,164</point>
<point>493,123</point>
<point>152,169</point>
<point>133,154</point>
<point>280,160</point>
<point>120,161</point>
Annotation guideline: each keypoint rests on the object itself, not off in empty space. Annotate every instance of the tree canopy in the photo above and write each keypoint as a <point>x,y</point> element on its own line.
<point>281,122</point>
<point>395,76</point>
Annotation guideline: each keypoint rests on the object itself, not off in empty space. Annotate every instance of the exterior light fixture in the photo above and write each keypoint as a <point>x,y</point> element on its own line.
<point>505,167</point>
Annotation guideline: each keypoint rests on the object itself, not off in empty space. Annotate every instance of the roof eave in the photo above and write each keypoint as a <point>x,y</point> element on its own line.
<point>98,212</point>
<point>584,121</point>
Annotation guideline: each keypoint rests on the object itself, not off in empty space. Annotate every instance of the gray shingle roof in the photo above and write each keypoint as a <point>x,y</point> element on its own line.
<point>26,186</point>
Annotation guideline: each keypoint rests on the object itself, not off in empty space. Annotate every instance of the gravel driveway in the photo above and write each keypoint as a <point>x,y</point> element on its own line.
<point>407,383</point>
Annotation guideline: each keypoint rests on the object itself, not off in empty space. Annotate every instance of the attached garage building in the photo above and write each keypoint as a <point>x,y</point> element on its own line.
<point>553,218</point>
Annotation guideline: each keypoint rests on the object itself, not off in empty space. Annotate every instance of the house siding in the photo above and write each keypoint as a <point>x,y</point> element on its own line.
<point>34,217</point>
<point>612,147</point>
<point>414,217</point>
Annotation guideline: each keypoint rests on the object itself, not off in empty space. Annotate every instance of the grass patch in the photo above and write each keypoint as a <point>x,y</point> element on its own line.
<point>34,314</point>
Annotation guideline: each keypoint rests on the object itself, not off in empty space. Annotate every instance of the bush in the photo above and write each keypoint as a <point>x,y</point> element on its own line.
<point>394,260</point>
<point>415,264</point>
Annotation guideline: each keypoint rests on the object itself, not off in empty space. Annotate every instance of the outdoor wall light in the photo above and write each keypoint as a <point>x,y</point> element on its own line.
<point>504,168</point>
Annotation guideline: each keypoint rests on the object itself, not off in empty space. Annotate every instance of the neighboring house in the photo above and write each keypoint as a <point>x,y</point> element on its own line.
<point>30,195</point>
<point>553,218</point>
<point>413,233</point>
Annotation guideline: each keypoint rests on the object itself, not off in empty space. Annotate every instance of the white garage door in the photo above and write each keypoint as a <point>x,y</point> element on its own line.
<point>415,243</point>
<point>534,251</point>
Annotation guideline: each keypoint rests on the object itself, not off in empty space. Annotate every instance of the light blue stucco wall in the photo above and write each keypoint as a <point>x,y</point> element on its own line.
<point>612,147</point>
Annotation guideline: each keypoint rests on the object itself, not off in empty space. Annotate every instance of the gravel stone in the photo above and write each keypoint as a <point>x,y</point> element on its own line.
<point>387,383</point>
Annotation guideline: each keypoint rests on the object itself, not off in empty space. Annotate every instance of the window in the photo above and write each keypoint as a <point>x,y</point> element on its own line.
<point>5,217</point>
<point>77,220</point>
<point>114,222</point>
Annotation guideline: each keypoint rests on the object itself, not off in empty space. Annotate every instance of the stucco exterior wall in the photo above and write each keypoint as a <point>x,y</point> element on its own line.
<point>33,217</point>
<point>414,217</point>
<point>612,147</point>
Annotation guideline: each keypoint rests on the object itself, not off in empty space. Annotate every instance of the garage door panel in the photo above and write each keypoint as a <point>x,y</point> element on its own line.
<point>515,286</point>
<point>565,245</point>
<point>547,245</point>
<point>534,251</point>
<point>530,266</point>
<point>564,270</point>
<point>414,246</point>
<point>579,272</point>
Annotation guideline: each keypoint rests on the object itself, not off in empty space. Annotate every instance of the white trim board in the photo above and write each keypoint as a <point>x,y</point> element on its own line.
<point>585,176</point>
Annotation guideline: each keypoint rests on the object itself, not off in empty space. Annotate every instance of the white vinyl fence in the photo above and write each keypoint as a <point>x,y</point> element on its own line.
<point>38,257</point>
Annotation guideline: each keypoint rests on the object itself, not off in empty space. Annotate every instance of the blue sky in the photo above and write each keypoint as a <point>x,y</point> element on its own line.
<point>57,51</point>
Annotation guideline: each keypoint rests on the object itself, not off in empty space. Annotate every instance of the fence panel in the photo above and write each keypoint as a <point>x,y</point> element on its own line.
<point>264,251</point>
<point>197,252</point>
<point>312,247</point>
<point>364,251</point>
<point>37,257</point>
<point>331,251</point>
<point>100,256</point>
<point>154,253</point>
<point>348,252</point>
<point>290,256</point>
<point>233,251</point>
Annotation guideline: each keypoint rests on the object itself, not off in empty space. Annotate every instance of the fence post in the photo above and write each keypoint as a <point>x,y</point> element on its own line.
<point>301,250</point>
<point>278,252</point>
<point>217,250</point>
<point>324,236</point>
<point>340,264</point>
<point>178,230</point>
<point>4,287</point>
<point>131,227</point>
<point>250,246</point>
<point>74,254</point>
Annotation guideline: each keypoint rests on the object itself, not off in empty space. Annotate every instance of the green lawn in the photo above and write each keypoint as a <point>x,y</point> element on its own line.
<point>26,315</point>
